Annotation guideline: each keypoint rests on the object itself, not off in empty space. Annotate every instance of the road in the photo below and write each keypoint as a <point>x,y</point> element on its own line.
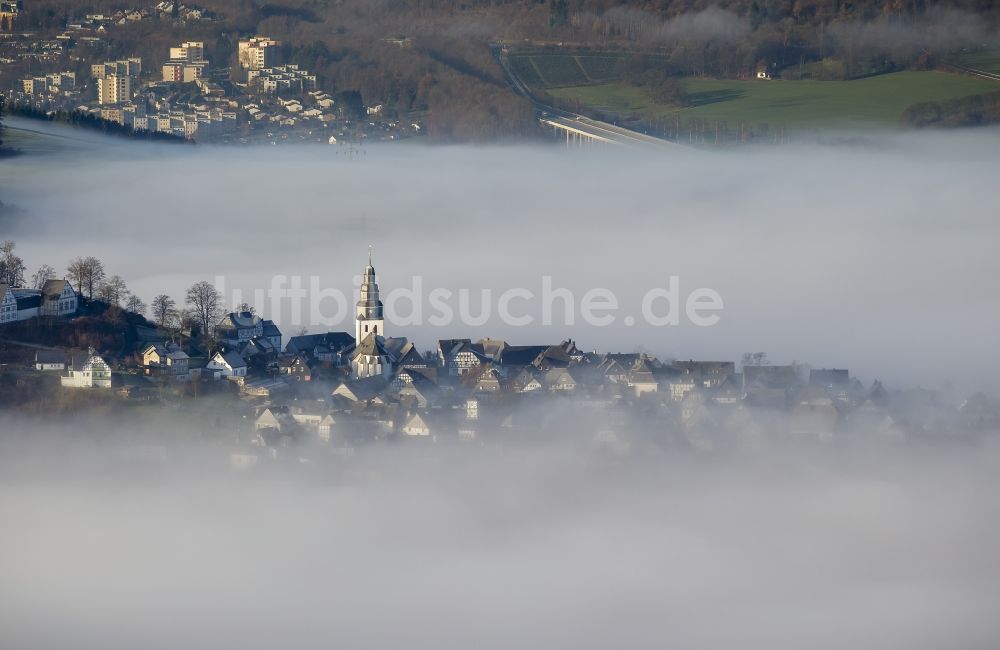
<point>574,122</point>
<point>976,73</point>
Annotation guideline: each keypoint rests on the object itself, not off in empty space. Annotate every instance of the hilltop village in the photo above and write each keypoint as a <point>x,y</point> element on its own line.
<point>277,397</point>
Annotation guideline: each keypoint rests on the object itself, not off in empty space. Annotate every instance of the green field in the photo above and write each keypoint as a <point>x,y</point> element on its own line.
<point>873,101</point>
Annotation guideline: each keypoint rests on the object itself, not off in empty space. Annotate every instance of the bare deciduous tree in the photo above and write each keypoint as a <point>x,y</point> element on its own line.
<point>205,302</point>
<point>164,312</point>
<point>42,275</point>
<point>114,291</point>
<point>135,305</point>
<point>11,266</point>
<point>87,273</point>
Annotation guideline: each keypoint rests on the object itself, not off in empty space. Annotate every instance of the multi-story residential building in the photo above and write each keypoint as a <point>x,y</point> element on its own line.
<point>190,51</point>
<point>187,63</point>
<point>283,78</point>
<point>8,14</point>
<point>35,86</point>
<point>114,89</point>
<point>258,53</point>
<point>131,67</point>
<point>113,114</point>
<point>184,71</point>
<point>55,82</point>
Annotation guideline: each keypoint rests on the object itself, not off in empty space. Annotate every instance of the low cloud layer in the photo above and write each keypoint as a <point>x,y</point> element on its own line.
<point>108,545</point>
<point>873,253</point>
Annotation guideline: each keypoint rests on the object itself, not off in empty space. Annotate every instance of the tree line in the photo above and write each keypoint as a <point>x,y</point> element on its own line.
<point>95,123</point>
<point>200,313</point>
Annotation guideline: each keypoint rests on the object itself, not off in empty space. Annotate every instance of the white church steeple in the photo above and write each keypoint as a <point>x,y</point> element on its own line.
<point>369,309</point>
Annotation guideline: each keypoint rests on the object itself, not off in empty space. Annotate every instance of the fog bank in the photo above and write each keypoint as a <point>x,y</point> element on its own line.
<point>861,547</point>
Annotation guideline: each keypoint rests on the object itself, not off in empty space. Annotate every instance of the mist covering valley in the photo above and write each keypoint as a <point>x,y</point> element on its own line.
<point>112,543</point>
<point>874,252</point>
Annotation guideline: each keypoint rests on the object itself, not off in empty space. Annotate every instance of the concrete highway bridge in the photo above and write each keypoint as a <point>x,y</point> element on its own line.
<point>584,131</point>
<point>578,130</point>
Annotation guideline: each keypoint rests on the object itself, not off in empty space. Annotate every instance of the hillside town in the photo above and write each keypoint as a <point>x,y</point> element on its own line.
<point>190,96</point>
<point>278,396</point>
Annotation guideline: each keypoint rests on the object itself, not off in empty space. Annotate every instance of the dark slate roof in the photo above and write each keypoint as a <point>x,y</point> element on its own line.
<point>420,373</point>
<point>364,389</point>
<point>395,345</point>
<point>446,346</point>
<point>706,368</point>
<point>521,355</point>
<point>234,359</point>
<point>289,361</point>
<point>412,358</point>
<point>307,343</point>
<point>829,377</point>
<point>30,301</point>
<point>770,376</point>
<point>242,320</point>
<point>270,329</point>
<point>50,356</point>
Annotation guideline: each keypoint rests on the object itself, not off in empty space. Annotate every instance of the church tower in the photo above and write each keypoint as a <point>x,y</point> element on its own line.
<point>369,309</point>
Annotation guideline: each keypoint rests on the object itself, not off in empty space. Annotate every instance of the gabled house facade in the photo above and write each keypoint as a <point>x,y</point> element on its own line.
<point>295,369</point>
<point>229,365</point>
<point>88,371</point>
<point>58,298</point>
<point>166,360</point>
<point>8,305</point>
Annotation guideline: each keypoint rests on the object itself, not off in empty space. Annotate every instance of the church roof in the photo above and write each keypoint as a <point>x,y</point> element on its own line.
<point>370,346</point>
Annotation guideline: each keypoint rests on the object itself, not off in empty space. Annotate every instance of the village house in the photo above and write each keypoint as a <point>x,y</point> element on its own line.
<point>295,368</point>
<point>166,360</point>
<point>88,370</point>
<point>707,374</point>
<point>229,365</point>
<point>416,426</point>
<point>55,298</point>
<point>8,305</point>
<point>46,360</point>
<point>641,379</point>
<point>237,328</point>
<point>836,381</point>
<point>461,356</point>
<point>327,347</point>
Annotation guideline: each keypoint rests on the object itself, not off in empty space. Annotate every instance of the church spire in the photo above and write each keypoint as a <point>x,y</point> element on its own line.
<point>369,308</point>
